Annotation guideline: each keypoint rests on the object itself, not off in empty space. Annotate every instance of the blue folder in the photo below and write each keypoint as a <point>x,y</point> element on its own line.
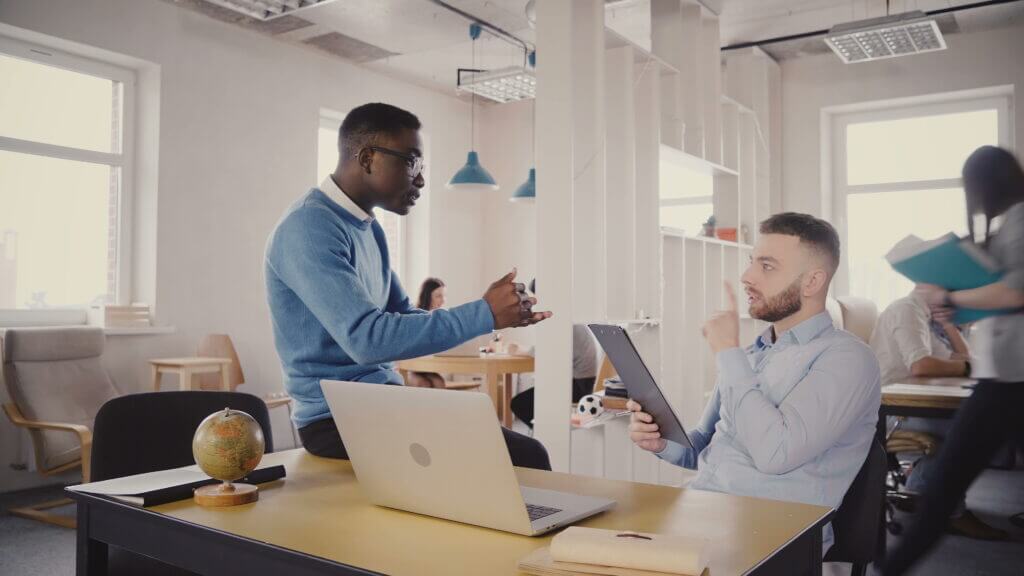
<point>950,262</point>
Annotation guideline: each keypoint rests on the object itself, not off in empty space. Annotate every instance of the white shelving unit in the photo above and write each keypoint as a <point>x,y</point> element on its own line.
<point>677,104</point>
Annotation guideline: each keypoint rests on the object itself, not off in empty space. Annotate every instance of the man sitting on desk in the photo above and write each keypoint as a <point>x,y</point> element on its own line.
<point>792,416</point>
<point>338,310</point>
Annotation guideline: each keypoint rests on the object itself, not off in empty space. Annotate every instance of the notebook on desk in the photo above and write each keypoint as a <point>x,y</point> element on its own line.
<point>165,486</point>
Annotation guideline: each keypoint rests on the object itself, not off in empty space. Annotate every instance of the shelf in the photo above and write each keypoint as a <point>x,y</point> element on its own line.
<point>689,161</point>
<point>708,240</point>
<point>634,322</point>
<point>143,331</point>
<point>613,39</point>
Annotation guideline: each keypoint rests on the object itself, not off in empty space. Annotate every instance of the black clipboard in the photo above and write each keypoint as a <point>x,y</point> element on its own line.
<point>638,380</point>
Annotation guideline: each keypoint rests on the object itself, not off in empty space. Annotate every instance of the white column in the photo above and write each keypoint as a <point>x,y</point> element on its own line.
<point>559,81</point>
<point>588,190</point>
<point>647,131</point>
<point>620,182</point>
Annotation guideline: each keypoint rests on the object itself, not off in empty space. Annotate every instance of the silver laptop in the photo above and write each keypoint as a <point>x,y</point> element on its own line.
<point>441,453</point>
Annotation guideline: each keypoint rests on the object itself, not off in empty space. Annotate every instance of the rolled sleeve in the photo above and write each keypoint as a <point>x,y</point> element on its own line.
<point>672,453</point>
<point>912,334</point>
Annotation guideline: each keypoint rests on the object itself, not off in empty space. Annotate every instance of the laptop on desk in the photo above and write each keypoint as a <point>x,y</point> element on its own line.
<point>442,453</point>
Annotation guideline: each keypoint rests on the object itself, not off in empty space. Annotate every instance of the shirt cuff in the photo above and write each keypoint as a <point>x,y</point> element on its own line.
<point>476,318</point>
<point>672,452</point>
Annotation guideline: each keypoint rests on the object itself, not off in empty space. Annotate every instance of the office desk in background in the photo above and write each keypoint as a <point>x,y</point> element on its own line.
<point>496,368</point>
<point>317,521</point>
<point>923,398</point>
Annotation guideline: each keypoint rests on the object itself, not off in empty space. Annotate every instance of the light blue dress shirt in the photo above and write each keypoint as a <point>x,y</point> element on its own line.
<point>789,420</point>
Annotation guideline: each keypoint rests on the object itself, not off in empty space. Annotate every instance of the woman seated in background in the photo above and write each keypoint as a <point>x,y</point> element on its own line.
<point>432,297</point>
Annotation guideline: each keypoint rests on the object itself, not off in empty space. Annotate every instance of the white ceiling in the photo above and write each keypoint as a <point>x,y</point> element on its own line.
<point>424,43</point>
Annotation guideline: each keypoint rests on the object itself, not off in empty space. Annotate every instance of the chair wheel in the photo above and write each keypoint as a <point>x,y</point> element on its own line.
<point>894,528</point>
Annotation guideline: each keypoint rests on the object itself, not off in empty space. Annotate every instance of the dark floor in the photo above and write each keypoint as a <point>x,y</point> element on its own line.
<point>34,549</point>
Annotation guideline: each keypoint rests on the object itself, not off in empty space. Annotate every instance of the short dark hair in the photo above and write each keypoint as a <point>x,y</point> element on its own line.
<point>364,124</point>
<point>815,232</point>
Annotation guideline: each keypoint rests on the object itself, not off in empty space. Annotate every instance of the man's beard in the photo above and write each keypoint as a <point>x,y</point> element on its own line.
<point>780,306</point>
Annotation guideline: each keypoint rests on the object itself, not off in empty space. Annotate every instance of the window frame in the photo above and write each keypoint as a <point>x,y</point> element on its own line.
<point>836,119</point>
<point>122,158</point>
<point>331,120</point>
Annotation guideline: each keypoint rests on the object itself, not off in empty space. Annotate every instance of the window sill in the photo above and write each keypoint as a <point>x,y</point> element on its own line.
<point>144,331</point>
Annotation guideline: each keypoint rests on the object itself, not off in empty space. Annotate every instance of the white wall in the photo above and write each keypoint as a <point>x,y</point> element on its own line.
<point>973,60</point>
<point>237,144</point>
<point>509,234</point>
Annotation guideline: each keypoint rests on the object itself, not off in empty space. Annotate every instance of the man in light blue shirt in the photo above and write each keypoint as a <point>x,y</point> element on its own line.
<point>793,415</point>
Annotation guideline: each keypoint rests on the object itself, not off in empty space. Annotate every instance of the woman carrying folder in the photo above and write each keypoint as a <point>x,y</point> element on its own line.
<point>994,185</point>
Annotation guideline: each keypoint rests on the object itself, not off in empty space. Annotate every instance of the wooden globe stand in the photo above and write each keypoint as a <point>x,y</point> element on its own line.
<point>226,494</point>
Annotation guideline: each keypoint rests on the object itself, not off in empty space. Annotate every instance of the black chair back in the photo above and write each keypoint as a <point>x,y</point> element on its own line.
<point>858,520</point>
<point>153,431</point>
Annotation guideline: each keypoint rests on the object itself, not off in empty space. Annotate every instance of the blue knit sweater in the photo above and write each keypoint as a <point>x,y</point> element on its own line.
<point>338,310</point>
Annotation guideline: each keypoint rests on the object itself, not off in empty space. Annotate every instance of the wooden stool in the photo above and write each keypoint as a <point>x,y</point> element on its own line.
<point>185,368</point>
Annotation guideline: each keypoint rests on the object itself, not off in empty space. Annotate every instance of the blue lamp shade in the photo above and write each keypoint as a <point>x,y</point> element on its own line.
<point>527,191</point>
<point>472,176</point>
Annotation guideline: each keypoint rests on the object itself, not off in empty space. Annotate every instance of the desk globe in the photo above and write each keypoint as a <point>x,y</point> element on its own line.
<point>228,445</point>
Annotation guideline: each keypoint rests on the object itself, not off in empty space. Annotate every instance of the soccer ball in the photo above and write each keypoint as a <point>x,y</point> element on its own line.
<point>590,405</point>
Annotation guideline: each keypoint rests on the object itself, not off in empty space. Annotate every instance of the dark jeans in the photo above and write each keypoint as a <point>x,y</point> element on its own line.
<point>321,438</point>
<point>522,403</point>
<point>985,421</point>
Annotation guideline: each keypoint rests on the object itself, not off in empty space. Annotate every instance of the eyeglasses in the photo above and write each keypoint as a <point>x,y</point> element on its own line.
<point>413,164</point>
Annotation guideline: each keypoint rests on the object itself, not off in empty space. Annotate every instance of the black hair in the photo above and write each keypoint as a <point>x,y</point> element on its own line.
<point>427,292</point>
<point>815,232</point>
<point>993,181</point>
<point>364,124</point>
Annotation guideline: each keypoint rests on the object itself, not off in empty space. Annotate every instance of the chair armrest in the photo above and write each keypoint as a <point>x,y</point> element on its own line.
<point>84,433</point>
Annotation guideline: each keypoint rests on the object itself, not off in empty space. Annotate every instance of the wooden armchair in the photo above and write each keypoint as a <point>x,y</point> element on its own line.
<point>57,384</point>
<point>221,346</point>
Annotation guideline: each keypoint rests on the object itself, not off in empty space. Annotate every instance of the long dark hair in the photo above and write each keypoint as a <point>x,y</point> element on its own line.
<point>427,290</point>
<point>993,182</point>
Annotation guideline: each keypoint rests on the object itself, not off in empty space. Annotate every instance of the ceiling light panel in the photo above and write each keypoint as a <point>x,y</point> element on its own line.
<point>889,37</point>
<point>267,9</point>
<point>503,86</point>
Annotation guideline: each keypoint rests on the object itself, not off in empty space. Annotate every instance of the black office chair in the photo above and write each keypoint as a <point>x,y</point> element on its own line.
<point>153,431</point>
<point>857,521</point>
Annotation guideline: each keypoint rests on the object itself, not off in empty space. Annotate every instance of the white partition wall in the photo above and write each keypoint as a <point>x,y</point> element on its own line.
<point>556,76</point>
<point>610,117</point>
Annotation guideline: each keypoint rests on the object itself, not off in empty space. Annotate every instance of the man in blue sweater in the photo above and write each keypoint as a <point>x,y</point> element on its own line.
<point>338,310</point>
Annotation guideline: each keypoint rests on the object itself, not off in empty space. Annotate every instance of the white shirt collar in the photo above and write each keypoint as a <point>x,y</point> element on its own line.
<point>335,193</point>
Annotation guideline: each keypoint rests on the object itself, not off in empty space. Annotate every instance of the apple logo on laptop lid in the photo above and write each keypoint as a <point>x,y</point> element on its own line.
<point>419,454</point>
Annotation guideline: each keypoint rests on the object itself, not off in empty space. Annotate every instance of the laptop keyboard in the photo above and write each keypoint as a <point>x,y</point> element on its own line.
<point>538,512</point>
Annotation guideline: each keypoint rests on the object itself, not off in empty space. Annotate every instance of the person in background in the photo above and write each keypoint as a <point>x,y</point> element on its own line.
<point>994,187</point>
<point>338,310</point>
<point>792,416</point>
<point>910,343</point>
<point>584,369</point>
<point>432,297</point>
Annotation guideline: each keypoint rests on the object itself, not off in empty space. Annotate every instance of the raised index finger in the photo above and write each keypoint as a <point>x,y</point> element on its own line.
<point>731,295</point>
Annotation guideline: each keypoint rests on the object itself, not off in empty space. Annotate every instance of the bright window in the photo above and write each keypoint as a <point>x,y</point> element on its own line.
<point>686,197</point>
<point>897,172</point>
<point>327,161</point>
<point>64,133</point>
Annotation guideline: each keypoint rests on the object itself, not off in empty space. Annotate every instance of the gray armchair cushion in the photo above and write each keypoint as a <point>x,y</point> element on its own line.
<point>55,375</point>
